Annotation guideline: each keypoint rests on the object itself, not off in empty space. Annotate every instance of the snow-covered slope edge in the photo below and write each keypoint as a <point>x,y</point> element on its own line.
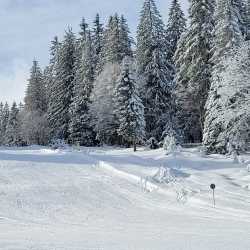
<point>97,199</point>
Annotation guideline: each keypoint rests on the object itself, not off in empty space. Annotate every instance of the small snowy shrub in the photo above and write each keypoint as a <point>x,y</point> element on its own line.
<point>235,157</point>
<point>203,151</point>
<point>182,195</point>
<point>76,146</point>
<point>170,144</point>
<point>164,175</point>
<point>248,168</point>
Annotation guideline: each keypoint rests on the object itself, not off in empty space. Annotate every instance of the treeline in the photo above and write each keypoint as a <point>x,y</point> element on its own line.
<point>102,87</point>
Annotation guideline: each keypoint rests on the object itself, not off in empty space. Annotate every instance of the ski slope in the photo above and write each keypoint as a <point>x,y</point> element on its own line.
<point>115,199</point>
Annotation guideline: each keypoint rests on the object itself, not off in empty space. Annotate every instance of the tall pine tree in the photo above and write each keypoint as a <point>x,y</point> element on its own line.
<point>4,117</point>
<point>80,128</point>
<point>116,46</point>
<point>154,69</point>
<point>130,110</point>
<point>247,19</point>
<point>35,96</point>
<point>62,89</point>
<point>12,134</point>
<point>175,28</point>
<point>34,127</point>
<point>97,38</point>
<point>193,70</point>
<point>116,42</point>
<point>228,38</point>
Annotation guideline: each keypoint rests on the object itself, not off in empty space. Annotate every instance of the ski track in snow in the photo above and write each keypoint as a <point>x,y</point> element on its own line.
<point>109,199</point>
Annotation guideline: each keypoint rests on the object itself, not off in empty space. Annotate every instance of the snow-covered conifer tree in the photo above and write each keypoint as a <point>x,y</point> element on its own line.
<point>125,40</point>
<point>228,37</point>
<point>116,42</point>
<point>175,27</point>
<point>111,48</point>
<point>228,114</point>
<point>79,45</point>
<point>97,38</point>
<point>4,122</point>
<point>153,67</point>
<point>34,127</point>
<point>1,121</point>
<point>12,134</point>
<point>116,46</point>
<point>80,128</point>
<point>228,33</point>
<point>129,107</point>
<point>35,96</point>
<point>247,20</point>
<point>193,70</point>
<point>50,70</point>
<point>105,120</point>
<point>62,89</point>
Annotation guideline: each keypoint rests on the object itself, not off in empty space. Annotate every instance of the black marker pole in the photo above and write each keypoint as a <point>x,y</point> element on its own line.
<point>212,186</point>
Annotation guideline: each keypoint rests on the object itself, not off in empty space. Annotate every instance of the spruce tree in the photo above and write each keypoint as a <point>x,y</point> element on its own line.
<point>1,120</point>
<point>116,46</point>
<point>125,40</point>
<point>35,96</point>
<point>80,42</point>
<point>193,70</point>
<point>154,69</point>
<point>228,38</point>
<point>4,122</point>
<point>12,134</point>
<point>1,123</point>
<point>175,28</point>
<point>228,117</point>
<point>33,114</point>
<point>80,128</point>
<point>50,70</point>
<point>130,110</point>
<point>111,48</point>
<point>116,42</point>
<point>247,19</point>
<point>105,121</point>
<point>79,45</point>
<point>97,40</point>
<point>62,89</point>
<point>228,33</point>
<point>245,23</point>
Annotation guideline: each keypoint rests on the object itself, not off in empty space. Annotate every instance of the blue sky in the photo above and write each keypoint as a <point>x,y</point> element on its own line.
<point>29,25</point>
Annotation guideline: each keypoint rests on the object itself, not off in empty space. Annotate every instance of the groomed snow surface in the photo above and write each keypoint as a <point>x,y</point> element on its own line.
<point>115,199</point>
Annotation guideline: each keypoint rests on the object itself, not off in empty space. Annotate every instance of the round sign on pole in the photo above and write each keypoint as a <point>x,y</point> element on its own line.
<point>212,186</point>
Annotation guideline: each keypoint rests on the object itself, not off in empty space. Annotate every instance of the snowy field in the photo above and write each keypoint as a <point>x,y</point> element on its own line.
<point>114,199</point>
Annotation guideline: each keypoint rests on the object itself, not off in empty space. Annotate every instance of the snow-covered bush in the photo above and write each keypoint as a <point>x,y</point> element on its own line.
<point>235,157</point>
<point>181,195</point>
<point>203,151</point>
<point>248,168</point>
<point>170,144</point>
<point>164,175</point>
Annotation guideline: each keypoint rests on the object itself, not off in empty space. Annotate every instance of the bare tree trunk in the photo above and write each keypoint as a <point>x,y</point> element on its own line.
<point>134,143</point>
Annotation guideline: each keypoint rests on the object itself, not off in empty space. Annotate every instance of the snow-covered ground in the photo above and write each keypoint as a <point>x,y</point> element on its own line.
<point>114,199</point>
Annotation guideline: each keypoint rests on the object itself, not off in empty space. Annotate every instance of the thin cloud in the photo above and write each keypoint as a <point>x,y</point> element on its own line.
<point>29,26</point>
<point>13,85</point>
